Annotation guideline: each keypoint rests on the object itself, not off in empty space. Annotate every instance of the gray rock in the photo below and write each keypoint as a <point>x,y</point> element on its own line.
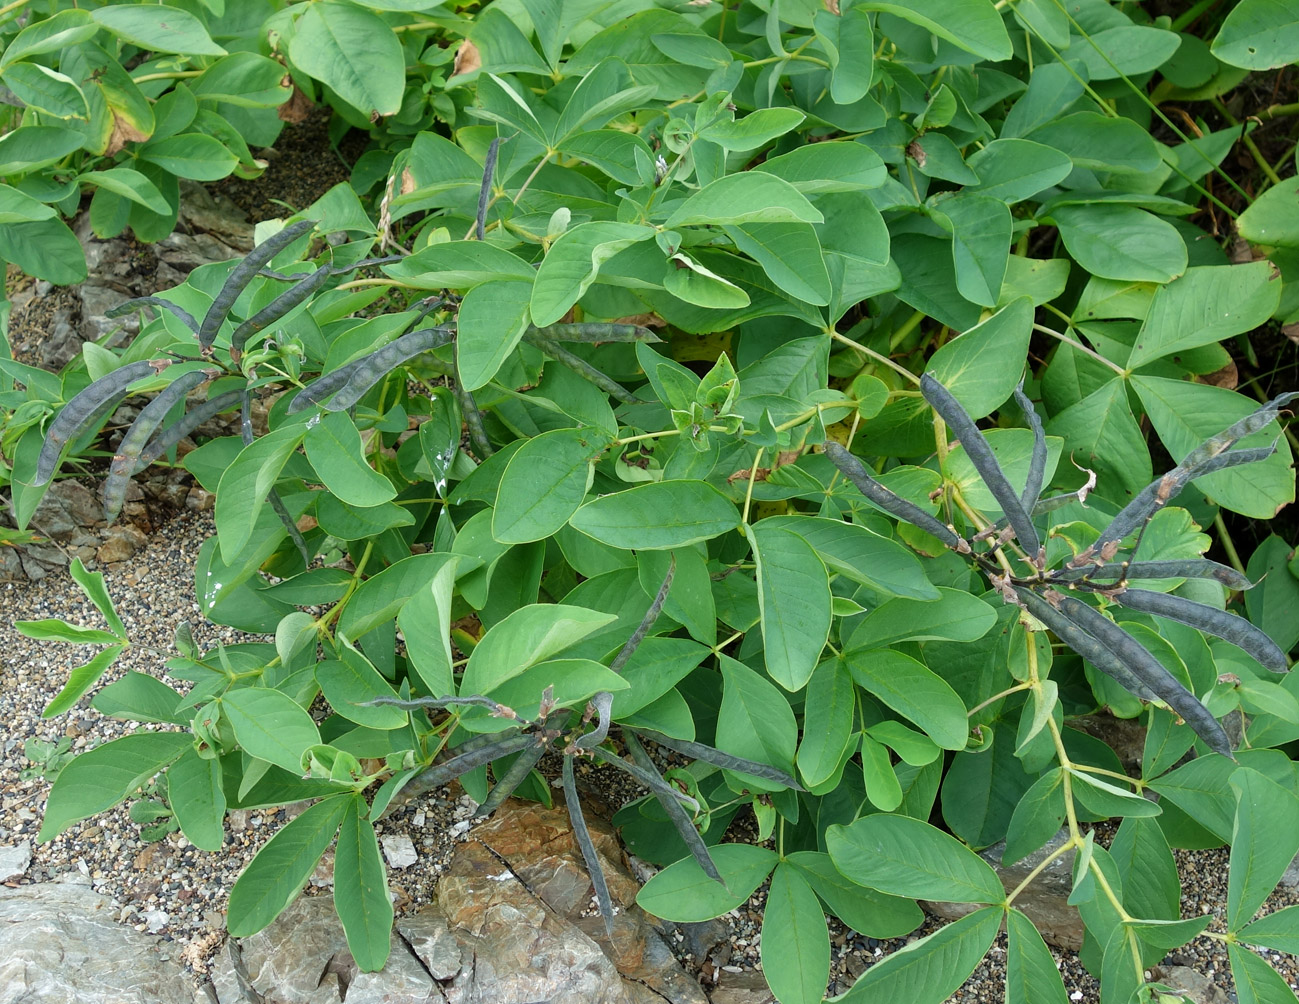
<point>1189,983</point>
<point>1045,899</point>
<point>60,942</point>
<point>66,510</point>
<point>742,988</point>
<point>398,850</point>
<point>428,935</point>
<point>14,860</point>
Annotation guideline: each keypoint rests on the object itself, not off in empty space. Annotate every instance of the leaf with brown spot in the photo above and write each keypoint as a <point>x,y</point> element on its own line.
<point>298,107</point>
<point>467,58</point>
<point>124,131</point>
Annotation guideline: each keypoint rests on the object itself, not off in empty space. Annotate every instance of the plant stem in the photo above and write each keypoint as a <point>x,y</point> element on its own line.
<point>1042,866</point>
<point>753,476</point>
<point>1228,545</point>
<point>901,370</point>
<point>1278,111</point>
<point>997,697</point>
<point>174,75</point>
<point>907,326</point>
<point>1250,145</point>
<point>1074,343</point>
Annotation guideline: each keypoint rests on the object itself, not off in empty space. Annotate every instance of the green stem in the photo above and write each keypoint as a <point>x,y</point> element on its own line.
<point>1073,343</point>
<point>1228,545</point>
<point>174,75</point>
<point>901,370</point>
<point>997,697</point>
<point>1250,145</point>
<point>1278,111</point>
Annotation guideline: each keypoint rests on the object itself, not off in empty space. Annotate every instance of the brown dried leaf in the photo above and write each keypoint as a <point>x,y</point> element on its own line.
<point>1226,377</point>
<point>643,320</point>
<point>298,107</point>
<point>407,181</point>
<point>1291,331</point>
<point>467,58</point>
<point>123,132</point>
<point>832,6</point>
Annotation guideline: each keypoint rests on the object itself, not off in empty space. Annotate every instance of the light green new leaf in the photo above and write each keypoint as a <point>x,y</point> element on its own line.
<point>197,797</point>
<point>981,229</point>
<point>324,46</point>
<point>1186,414</point>
<point>747,197</point>
<point>794,598</point>
<point>159,29</point>
<point>909,857</point>
<point>755,722</point>
<point>658,516</point>
<point>245,484</point>
<point>361,890</point>
<point>281,868</point>
<point>1264,840</point>
<point>795,947</point>
<point>492,319</point>
<point>914,691</point>
<point>973,25</point>
<point>1207,304</point>
<point>100,778</point>
<point>573,261</point>
<point>1031,973</point>
<point>1272,219</point>
<point>425,623</point>
<point>270,725</point>
<point>1013,170</point>
<point>334,448</point>
<point>1121,242</point>
<point>683,894</point>
<point>545,482</point>
<point>983,365</point>
<point>1256,981</point>
<point>526,637</point>
<point>828,709</point>
<point>1259,34</point>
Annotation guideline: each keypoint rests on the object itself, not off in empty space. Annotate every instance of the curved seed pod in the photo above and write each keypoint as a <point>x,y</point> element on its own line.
<point>603,705</point>
<point>580,366</point>
<point>78,414</point>
<point>277,308</point>
<point>1163,490</point>
<point>583,837</point>
<point>984,461</point>
<point>366,263</point>
<point>1190,568</point>
<point>647,622</point>
<point>192,419</point>
<point>595,332</point>
<point>415,703</point>
<point>242,275</point>
<point>140,302</point>
<point>1240,632</point>
<point>1149,671</point>
<point>439,774</point>
<point>290,527</point>
<point>380,363</point>
<point>473,418</point>
<point>1251,423</point>
<point>1082,642</point>
<point>133,444</point>
<point>855,471</point>
<point>719,759</point>
<point>1037,464</point>
<point>322,387</point>
<point>647,774</point>
<point>515,776</point>
<point>485,190</point>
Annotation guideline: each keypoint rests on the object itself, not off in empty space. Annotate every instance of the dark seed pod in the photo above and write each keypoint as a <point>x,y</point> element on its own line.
<point>173,434</point>
<point>1240,632</point>
<point>79,413</point>
<point>595,332</point>
<point>1149,671</point>
<point>380,363</point>
<point>1190,568</point>
<point>855,471</point>
<point>242,275</point>
<point>647,622</point>
<point>277,308</point>
<point>1037,463</point>
<point>133,444</point>
<point>583,837</point>
<point>485,189</point>
<point>984,461</point>
<point>603,705</point>
<point>365,263</point>
<point>473,418</point>
<point>439,774</point>
<point>579,366</point>
<point>140,302</point>
<point>515,776</point>
<point>717,758</point>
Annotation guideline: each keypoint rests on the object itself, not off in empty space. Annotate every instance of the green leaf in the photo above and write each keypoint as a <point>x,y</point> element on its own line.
<point>324,47</point>
<point>53,629</point>
<point>1037,817</point>
<point>29,147</point>
<point>46,249</point>
<point>573,262</point>
<point>46,91</point>
<point>492,319</point>
<point>1256,981</point>
<point>129,184</point>
<point>754,130</point>
<point>159,29</point>
<point>59,31</point>
<point>545,482</point>
<point>850,43</point>
<point>349,681</point>
<point>688,280</point>
<point>80,680</point>
<point>245,484</point>
<point>755,722</point>
<point>983,365</point>
<point>862,555</point>
<point>795,948</point>
<point>658,516</point>
<point>138,697</point>
<point>382,595</point>
<point>914,691</point>
<point>1278,930</point>
<point>1101,143</point>
<point>1101,798</point>
<point>270,726</point>
<point>1151,887</point>
<point>198,799</point>
<point>790,254</point>
<point>1264,840</point>
<point>526,637</point>
<point>192,155</point>
<point>16,207</point>
<point>1013,170</point>
<point>1121,242</point>
<point>981,230</point>
<point>828,716</point>
<point>1272,602</point>
<point>1207,304</point>
<point>425,622</point>
<point>864,910</point>
<point>1272,219</point>
<point>361,890</point>
<point>1101,434</point>
<point>683,894</point>
<point>281,868</point>
<point>930,970</point>
<point>334,448</point>
<point>1031,973</point>
<point>882,787</point>
<point>657,665</point>
<point>572,682</point>
<point>973,25</point>
<point>955,616</point>
<point>832,166</point>
<point>690,597</point>
<point>748,197</point>
<point>1186,414</point>
<point>459,265</point>
<point>1125,50</point>
<point>794,600</point>
<point>100,778</point>
<point>1259,35</point>
<point>908,857</point>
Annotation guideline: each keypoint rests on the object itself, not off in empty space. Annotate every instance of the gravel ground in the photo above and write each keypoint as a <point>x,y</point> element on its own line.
<point>173,889</point>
